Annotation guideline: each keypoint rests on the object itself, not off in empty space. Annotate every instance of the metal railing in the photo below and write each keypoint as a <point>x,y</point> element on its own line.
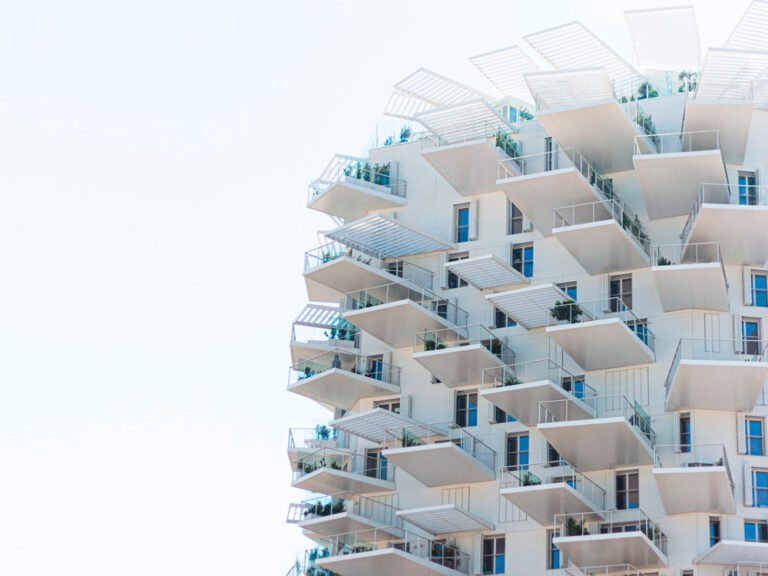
<point>673,142</point>
<point>342,334</point>
<point>344,461</point>
<point>368,366</point>
<point>691,253</point>
<point>608,570</point>
<point>405,290</point>
<point>537,371</point>
<point>568,410</point>
<point>381,177</point>
<point>567,312</point>
<point>321,436</point>
<point>397,267</point>
<point>600,211</point>
<point>441,432</point>
<point>379,509</point>
<point>410,543</point>
<point>553,473</point>
<point>691,456</point>
<point>742,195</point>
<point>614,521</point>
<point>431,340</point>
<point>747,569</point>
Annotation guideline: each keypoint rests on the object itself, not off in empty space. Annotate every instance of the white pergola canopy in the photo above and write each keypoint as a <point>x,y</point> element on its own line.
<point>382,237</point>
<point>444,519</point>
<point>505,68</point>
<point>464,122</point>
<point>566,88</point>
<point>731,72</point>
<point>529,306</point>
<point>319,316</point>
<point>665,38</point>
<point>486,271</point>
<point>373,424</point>
<point>751,33</point>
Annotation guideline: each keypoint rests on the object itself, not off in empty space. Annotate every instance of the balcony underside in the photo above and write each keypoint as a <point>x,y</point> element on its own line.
<point>386,563</point>
<point>329,281</point>
<point>602,133</point>
<point>343,523</point>
<point>458,365</point>
<point>303,351</point>
<point>537,195</point>
<point>691,286</point>
<point>395,323</point>
<point>529,306</point>
<point>742,232</point>
<point>522,401</point>
<point>444,519</point>
<point>731,386</point>
<point>602,247</point>
<point>598,444</point>
<point>330,481</point>
<point>730,552</point>
<point>485,272</point>
<point>610,549</point>
<point>341,388</point>
<point>601,344</point>
<point>704,489</point>
<point>352,199</point>
<point>542,502</point>
<point>670,183</point>
<point>440,464</point>
<point>469,167</point>
<point>731,118</point>
<point>373,424</point>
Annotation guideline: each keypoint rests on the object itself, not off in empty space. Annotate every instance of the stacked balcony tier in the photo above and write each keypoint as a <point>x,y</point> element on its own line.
<point>690,276</point>
<point>328,471</point>
<point>346,512</point>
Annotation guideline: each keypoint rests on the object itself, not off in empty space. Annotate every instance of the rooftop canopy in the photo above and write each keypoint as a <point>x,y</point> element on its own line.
<point>464,122</point>
<point>504,68</point>
<point>751,33</point>
<point>566,88</point>
<point>319,316</point>
<point>731,73</point>
<point>665,38</point>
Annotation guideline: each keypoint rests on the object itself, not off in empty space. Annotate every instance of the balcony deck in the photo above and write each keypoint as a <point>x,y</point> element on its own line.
<point>346,512</point>
<point>730,114</point>
<point>469,167</point>
<point>529,306</point>
<point>385,562</point>
<point>332,471</point>
<point>690,276</point>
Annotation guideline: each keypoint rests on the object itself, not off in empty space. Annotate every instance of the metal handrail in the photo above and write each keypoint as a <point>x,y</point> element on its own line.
<point>377,176</point>
<point>368,366</point>
<point>445,338</point>
<point>747,569</point>
<point>535,371</point>
<point>376,508</point>
<point>343,461</point>
<point>547,473</point>
<point>674,142</point>
<point>692,456</point>
<point>690,253</point>
<point>605,570</point>
<point>314,438</point>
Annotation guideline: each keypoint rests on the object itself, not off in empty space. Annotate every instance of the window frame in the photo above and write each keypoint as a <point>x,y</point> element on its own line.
<point>761,491</point>
<point>461,230</point>
<point>748,436</point>
<point>452,278</point>
<point>519,463</point>
<point>522,264</point>
<point>497,555</point>
<point>627,491</point>
<point>622,294</point>
<point>468,410</point>
<point>514,219</point>
<point>755,291</point>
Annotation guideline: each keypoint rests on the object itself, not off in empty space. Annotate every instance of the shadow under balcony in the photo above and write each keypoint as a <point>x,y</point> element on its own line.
<point>690,276</point>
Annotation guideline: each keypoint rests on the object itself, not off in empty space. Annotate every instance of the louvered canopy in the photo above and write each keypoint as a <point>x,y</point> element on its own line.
<point>665,38</point>
<point>319,316</point>
<point>569,88</point>
<point>731,73</point>
<point>505,68</point>
<point>464,122</point>
<point>751,32</point>
<point>444,519</point>
<point>529,306</point>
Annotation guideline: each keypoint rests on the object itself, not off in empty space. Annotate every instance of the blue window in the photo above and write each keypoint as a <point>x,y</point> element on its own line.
<point>714,531</point>
<point>466,408</point>
<point>575,385</point>
<point>554,559</point>
<point>518,451</point>
<point>501,320</point>
<point>760,488</point>
<point>627,490</point>
<point>522,259</point>
<point>754,435</point>
<point>685,432</point>
<point>747,189</point>
<point>375,464</point>
<point>755,531</point>
<point>499,416</point>
<point>760,289</point>
<point>640,327</point>
<point>569,289</point>
<point>493,554</point>
<point>750,336</point>
<point>462,223</point>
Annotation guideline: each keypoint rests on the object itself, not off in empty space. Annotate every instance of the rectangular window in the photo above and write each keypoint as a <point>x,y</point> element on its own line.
<point>685,432</point>
<point>760,488</point>
<point>750,336</point>
<point>621,291</point>
<point>518,450</point>
<point>754,435</point>
<point>514,219</point>
<point>627,490</point>
<point>550,159</point>
<point>466,408</point>
<point>501,320</point>
<point>453,280</point>
<point>570,289</point>
<point>747,189</point>
<point>461,223</point>
<point>391,405</point>
<point>522,259</point>
<point>375,367</point>
<point>493,554</point>
<point>375,464</point>
<point>640,328</point>
<point>555,560</point>
<point>395,268</point>
<point>756,530</point>
<point>499,416</point>
<point>714,530</point>
<point>759,289</point>
<point>553,456</point>
<point>574,384</point>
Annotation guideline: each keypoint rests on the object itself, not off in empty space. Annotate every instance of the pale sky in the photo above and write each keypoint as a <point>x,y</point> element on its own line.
<point>154,162</point>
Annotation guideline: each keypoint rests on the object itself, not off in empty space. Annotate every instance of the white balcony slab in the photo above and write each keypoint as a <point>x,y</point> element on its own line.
<point>332,279</point>
<point>742,232</point>
<point>341,388</point>
<point>671,182</point>
<point>350,198</point>
<point>730,552</point>
<point>395,323</point>
<point>458,365</point>
<point>529,306</point>
<point>440,464</point>
<point>373,424</point>
<point>330,481</point>
<point>469,167</point>
<point>732,118</point>
<point>543,501</point>
<point>444,519</point>
<point>598,443</point>
<point>704,489</point>
<point>486,271</point>
<point>691,286</point>
<point>602,247</point>
<point>728,385</point>
<point>522,400</point>
<point>387,562</point>
<point>343,523</point>
<point>610,549</point>
<point>303,351</point>
<point>601,344</point>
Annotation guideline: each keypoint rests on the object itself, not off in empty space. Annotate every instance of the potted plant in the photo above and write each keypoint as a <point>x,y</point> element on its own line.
<point>662,261</point>
<point>525,114</point>
<point>646,90</point>
<point>405,133</point>
<point>528,478</point>
<point>512,381</point>
<point>574,528</point>
<point>432,344</point>
<point>565,310</point>
<point>388,141</point>
<point>692,78</point>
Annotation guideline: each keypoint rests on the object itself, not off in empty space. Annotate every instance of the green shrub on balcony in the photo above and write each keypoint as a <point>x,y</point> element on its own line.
<point>565,310</point>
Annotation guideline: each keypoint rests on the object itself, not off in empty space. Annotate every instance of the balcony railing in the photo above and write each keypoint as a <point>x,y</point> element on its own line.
<point>747,569</point>
<point>380,177</point>
<point>448,338</point>
<point>321,436</point>
<point>418,546</point>
<point>741,195</point>
<point>611,570</point>
<point>615,521</point>
<point>344,461</point>
<point>553,473</point>
<point>691,456</point>
<point>442,432</point>
<point>370,367</point>
<point>537,371</point>
<point>397,267</point>
<point>378,509</point>
<point>675,142</point>
<point>691,253</point>
<point>745,349</point>
<point>567,312</point>
<point>567,410</point>
<point>592,212</point>
<point>395,291</point>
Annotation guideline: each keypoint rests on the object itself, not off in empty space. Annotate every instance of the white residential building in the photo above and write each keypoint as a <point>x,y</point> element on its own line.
<point>538,322</point>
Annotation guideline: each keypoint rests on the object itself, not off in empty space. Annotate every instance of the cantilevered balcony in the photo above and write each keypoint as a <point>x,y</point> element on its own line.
<point>376,553</point>
<point>394,312</point>
<point>529,306</point>
<point>304,441</point>
<point>518,389</point>
<point>612,570</point>
<point>602,236</point>
<point>747,568</point>
<point>690,276</point>
<point>444,519</point>
<point>736,217</point>
<point>346,512</point>
<point>601,334</point>
<point>329,471</point>
<point>318,329</point>
<point>545,490</point>
<point>351,187</point>
<point>694,478</point>
<point>340,378</point>
<point>539,183</point>
<point>441,454</point>
<point>458,356</point>
<point>621,536</point>
<point>617,433</point>
<point>672,174</point>
<point>709,374</point>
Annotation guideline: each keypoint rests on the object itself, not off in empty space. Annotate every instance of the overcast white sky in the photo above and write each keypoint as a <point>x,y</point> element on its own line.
<point>154,158</point>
